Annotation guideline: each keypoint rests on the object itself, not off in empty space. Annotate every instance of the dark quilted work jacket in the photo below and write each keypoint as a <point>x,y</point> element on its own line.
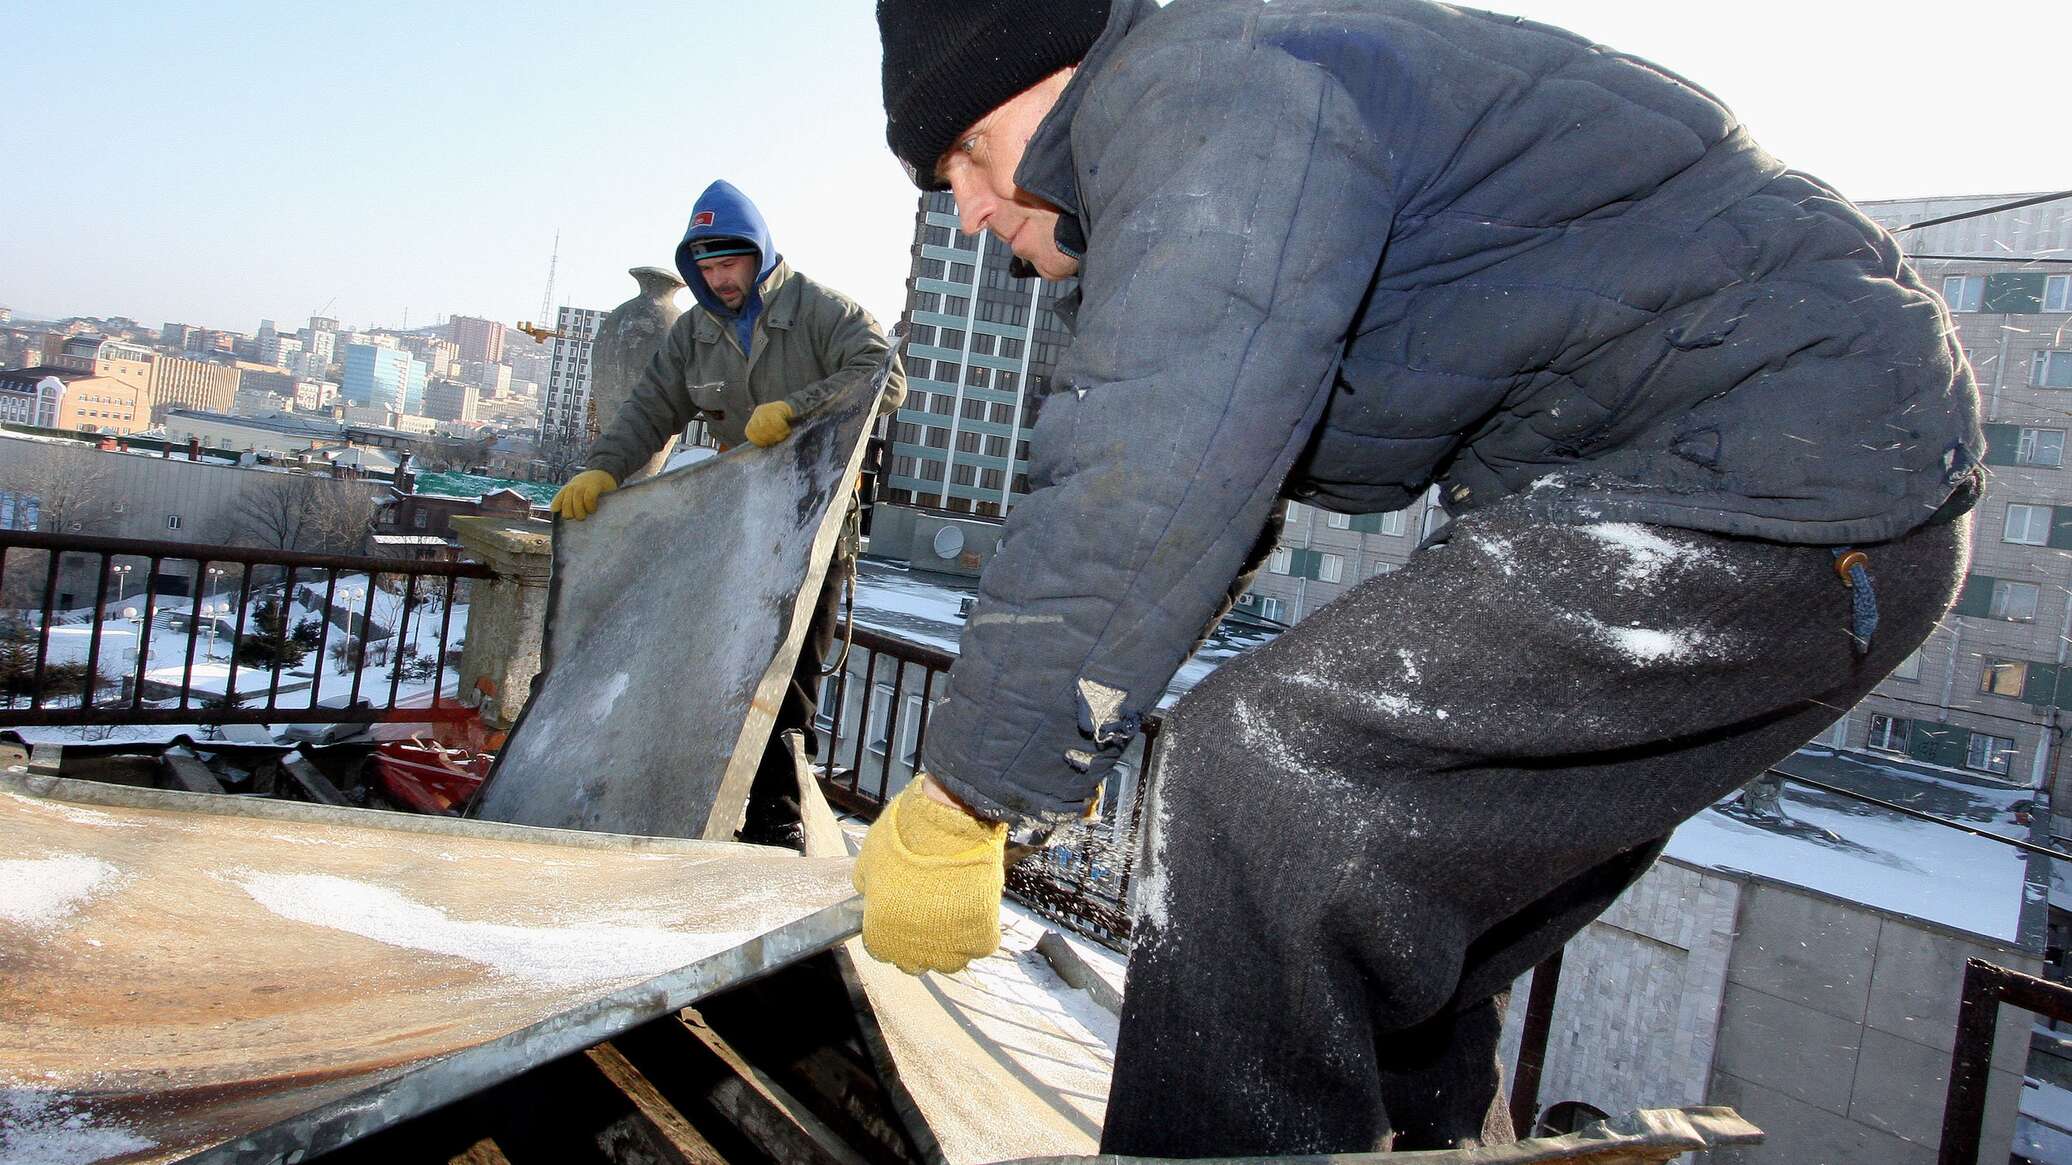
<point>1351,250</point>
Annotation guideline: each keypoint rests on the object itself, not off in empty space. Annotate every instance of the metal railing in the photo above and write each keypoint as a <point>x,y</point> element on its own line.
<point>1082,879</point>
<point>242,595</point>
<point>1986,987</point>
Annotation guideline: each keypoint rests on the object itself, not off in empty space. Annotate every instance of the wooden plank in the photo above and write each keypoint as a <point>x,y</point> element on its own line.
<point>311,780</point>
<point>764,1111</point>
<point>187,771</point>
<point>664,1130</point>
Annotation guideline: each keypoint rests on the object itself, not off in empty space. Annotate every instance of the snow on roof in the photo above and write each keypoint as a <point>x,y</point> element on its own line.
<point>1863,853</point>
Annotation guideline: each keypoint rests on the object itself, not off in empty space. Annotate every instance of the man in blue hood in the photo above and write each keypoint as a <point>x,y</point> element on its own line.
<point>764,347</point>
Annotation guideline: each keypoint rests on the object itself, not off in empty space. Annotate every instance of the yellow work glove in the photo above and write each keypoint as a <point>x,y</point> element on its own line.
<point>769,424</point>
<point>930,875</point>
<point>578,499</point>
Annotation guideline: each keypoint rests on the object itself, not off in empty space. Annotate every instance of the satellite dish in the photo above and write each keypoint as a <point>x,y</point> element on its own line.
<point>949,542</point>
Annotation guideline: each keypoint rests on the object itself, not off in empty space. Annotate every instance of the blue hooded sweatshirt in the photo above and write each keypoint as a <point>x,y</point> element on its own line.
<point>724,211</point>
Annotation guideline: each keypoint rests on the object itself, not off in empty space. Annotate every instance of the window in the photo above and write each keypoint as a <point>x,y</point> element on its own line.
<point>953,339</point>
<point>881,717</point>
<point>1021,450</point>
<point>1382,568</point>
<point>2014,601</point>
<point>2040,447</point>
<point>420,519</point>
<point>1006,381</point>
<point>932,269</point>
<point>1910,667</point>
<point>1000,412</point>
<point>937,438</point>
<point>956,305</point>
<point>824,710</point>
<point>1010,347</point>
<point>967,442</point>
<point>1963,292</point>
<point>2057,293</point>
<point>2026,525</point>
<point>935,236</point>
<point>927,301</point>
<point>1989,754</point>
<point>902,467</point>
<point>942,404</point>
<point>1278,562</point>
<point>1294,513</point>
<point>990,479</point>
<point>975,376</point>
<point>930,471</point>
<point>172,521</point>
<point>2003,677</point>
<point>923,334</point>
<point>1338,521</point>
<point>963,475</point>
<point>1331,568</point>
<point>2051,370</point>
<point>996,446</point>
<point>960,273</point>
<point>974,409</point>
<point>1392,523</point>
<point>982,343</point>
<point>1889,733</point>
<point>1273,609</point>
<point>919,368</point>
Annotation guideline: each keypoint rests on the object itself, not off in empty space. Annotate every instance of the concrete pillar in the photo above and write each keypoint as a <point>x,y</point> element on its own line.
<point>508,614</point>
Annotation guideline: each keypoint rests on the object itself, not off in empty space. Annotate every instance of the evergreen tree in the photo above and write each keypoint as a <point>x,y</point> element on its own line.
<point>268,642</point>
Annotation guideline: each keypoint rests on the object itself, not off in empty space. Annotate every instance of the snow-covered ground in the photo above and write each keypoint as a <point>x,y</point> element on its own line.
<point>170,642</point>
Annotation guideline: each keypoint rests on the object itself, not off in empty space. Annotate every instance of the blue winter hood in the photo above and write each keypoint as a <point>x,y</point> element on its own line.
<point>724,210</point>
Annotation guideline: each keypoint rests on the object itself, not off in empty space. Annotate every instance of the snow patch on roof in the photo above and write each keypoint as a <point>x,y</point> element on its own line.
<point>42,892</point>
<point>60,1130</point>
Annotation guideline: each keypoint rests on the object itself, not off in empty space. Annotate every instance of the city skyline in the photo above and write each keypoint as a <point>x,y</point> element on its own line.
<point>397,160</point>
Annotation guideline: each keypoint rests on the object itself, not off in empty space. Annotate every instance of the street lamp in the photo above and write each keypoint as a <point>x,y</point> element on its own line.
<point>129,677</point>
<point>215,580</point>
<point>121,574</point>
<point>212,612</point>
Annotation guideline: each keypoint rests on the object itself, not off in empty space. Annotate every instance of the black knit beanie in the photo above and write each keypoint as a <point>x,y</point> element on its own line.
<point>950,62</point>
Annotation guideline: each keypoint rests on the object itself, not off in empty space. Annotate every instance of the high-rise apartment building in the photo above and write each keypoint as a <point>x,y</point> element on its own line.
<point>565,414</point>
<point>479,339</point>
<point>981,347</point>
<point>380,377</point>
<point>1990,690</point>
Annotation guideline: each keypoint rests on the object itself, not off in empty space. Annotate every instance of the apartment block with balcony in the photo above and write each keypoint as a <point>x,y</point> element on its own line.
<point>1988,693</point>
<point>565,414</point>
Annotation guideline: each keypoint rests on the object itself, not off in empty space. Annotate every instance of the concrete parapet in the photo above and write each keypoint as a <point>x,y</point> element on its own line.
<point>508,614</point>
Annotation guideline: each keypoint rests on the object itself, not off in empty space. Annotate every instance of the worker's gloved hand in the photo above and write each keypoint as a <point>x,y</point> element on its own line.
<point>578,499</point>
<point>930,875</point>
<point>769,424</point>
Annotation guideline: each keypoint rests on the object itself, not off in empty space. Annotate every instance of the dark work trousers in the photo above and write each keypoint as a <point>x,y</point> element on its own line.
<point>1361,833</point>
<point>773,807</point>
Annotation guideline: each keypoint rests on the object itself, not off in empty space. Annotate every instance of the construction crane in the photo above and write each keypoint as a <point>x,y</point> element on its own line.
<point>541,330</point>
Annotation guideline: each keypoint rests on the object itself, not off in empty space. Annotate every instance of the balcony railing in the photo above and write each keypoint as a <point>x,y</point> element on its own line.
<point>874,720</point>
<point>162,636</point>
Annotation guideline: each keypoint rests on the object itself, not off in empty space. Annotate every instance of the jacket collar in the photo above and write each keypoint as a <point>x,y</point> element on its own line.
<point>1046,170</point>
<point>781,294</point>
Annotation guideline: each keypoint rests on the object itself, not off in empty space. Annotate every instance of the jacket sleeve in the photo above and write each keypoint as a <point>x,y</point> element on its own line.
<point>855,344</point>
<point>1237,211</point>
<point>659,408</point>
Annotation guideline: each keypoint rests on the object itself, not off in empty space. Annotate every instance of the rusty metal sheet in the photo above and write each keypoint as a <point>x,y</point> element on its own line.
<point>673,621</point>
<point>239,980</point>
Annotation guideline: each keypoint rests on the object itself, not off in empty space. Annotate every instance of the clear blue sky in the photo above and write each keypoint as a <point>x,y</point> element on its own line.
<point>219,161</point>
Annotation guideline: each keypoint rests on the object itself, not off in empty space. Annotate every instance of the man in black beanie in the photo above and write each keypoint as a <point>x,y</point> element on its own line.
<point>1705,436</point>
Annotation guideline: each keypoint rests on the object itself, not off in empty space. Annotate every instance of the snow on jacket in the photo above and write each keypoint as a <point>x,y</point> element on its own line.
<point>793,340</point>
<point>1351,251</point>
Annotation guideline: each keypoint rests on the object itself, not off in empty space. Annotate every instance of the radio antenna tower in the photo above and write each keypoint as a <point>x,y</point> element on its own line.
<point>546,319</point>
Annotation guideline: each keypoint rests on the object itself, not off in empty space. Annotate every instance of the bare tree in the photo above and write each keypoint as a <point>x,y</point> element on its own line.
<point>55,490</point>
<point>299,512</point>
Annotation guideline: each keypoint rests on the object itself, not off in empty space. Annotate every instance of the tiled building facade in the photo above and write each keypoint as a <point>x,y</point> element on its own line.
<point>981,345</point>
<point>1990,690</point>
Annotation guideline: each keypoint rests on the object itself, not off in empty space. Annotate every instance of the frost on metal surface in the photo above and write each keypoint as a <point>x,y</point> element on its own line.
<point>188,974</point>
<point>674,619</point>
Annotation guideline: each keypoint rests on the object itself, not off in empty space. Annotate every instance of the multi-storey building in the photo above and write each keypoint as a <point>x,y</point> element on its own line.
<point>450,400</point>
<point>381,377</point>
<point>480,340</point>
<point>565,414</point>
<point>1990,689</point>
<point>981,347</point>
<point>493,379</point>
<point>54,398</point>
<point>279,350</point>
<point>180,383</point>
<point>180,337</point>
